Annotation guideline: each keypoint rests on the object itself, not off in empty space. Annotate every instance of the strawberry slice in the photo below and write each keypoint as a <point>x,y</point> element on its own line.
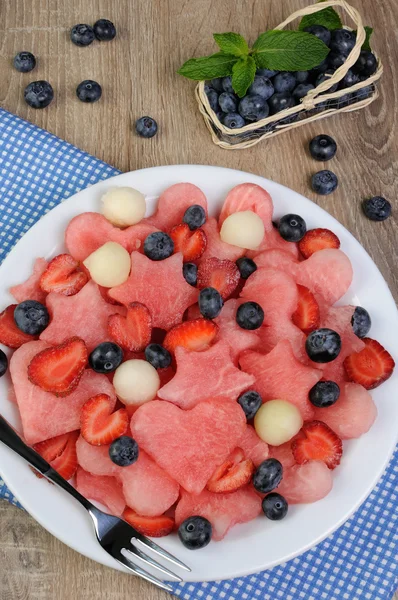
<point>371,366</point>
<point>60,452</point>
<point>10,335</point>
<point>63,276</point>
<point>99,426</point>
<point>132,332</point>
<point>319,442</point>
<point>307,315</point>
<point>191,244</point>
<point>151,526</point>
<point>233,474</point>
<point>59,369</point>
<point>192,335</point>
<point>317,239</point>
<point>223,275</point>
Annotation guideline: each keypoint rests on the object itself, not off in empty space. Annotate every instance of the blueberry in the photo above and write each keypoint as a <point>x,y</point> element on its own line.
<point>212,97</point>
<point>324,182</point>
<point>31,317</point>
<point>363,93</point>
<point>324,77</point>
<point>106,357</point>
<point>292,228</point>
<point>227,84</point>
<point>3,363</point>
<point>190,272</point>
<point>233,121</point>
<point>82,35</point>
<point>275,506</point>
<point>194,217</point>
<point>321,68</point>
<point>38,94</point>
<point>228,102</point>
<point>349,79</point>
<point>124,451</point>
<point>342,41</point>
<point>250,315</point>
<point>376,208</point>
<point>323,147</point>
<point>246,267</point>
<point>335,60</point>
<point>210,302</point>
<point>158,356</point>
<point>261,86</point>
<point>266,73</point>
<point>324,394</point>
<point>195,532</point>
<point>24,62</point>
<point>302,76</point>
<point>250,402</point>
<point>284,82</point>
<point>104,30</point>
<point>279,102</point>
<point>344,100</point>
<point>253,108</point>
<point>158,246</point>
<point>320,32</point>
<point>361,322</point>
<point>216,84</point>
<point>301,90</point>
<point>268,475</point>
<point>89,91</point>
<point>146,127</point>
<point>366,63</point>
<point>323,345</point>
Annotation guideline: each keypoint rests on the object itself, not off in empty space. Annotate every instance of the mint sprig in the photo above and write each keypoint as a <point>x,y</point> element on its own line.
<point>288,51</point>
<point>243,73</point>
<point>232,43</point>
<point>208,67</point>
<point>327,17</point>
<point>366,44</point>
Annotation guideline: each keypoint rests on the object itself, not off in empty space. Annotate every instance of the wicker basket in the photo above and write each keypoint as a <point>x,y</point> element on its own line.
<point>317,104</point>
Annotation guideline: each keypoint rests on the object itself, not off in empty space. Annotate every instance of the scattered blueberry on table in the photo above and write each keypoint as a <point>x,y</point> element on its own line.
<point>104,30</point>
<point>82,35</point>
<point>39,94</point>
<point>324,182</point>
<point>89,91</point>
<point>146,127</point>
<point>377,208</point>
<point>323,147</point>
<point>24,62</point>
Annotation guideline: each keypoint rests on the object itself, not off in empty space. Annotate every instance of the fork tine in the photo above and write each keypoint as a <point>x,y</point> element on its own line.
<point>142,573</point>
<point>153,563</point>
<point>160,551</point>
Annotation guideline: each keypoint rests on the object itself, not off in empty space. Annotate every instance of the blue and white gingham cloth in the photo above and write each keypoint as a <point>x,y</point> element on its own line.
<point>360,560</point>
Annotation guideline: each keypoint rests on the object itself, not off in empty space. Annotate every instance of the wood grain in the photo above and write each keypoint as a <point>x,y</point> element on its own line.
<point>138,74</point>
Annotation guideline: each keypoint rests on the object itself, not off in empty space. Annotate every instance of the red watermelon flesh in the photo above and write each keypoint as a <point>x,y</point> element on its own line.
<point>229,331</point>
<point>280,375</point>
<point>173,203</point>
<point>275,291</point>
<point>222,510</point>
<point>248,196</point>
<point>193,312</point>
<point>271,335</point>
<point>215,246</point>
<point>284,454</point>
<point>30,289</point>
<point>161,286</point>
<point>106,490</point>
<point>95,459</point>
<point>277,259</point>
<point>189,444</point>
<point>272,240</point>
<point>302,484</point>
<point>253,447</point>
<point>202,375</point>
<point>43,415</point>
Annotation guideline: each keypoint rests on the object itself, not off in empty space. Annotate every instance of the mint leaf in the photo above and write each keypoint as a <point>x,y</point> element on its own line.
<point>232,43</point>
<point>366,44</point>
<point>208,67</point>
<point>243,73</point>
<point>288,51</point>
<point>327,17</point>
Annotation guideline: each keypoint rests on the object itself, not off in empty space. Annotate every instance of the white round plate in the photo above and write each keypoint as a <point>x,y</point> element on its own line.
<point>261,543</point>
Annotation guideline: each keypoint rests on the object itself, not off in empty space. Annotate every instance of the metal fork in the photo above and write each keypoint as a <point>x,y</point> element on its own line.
<point>114,535</point>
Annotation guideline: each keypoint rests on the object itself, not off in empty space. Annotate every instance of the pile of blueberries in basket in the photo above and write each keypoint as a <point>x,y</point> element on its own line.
<point>272,92</point>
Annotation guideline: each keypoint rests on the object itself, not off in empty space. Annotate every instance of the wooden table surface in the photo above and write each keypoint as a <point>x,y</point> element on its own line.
<point>137,72</point>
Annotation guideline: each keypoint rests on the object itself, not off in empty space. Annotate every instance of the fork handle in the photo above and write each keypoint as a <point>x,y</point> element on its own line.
<point>12,440</point>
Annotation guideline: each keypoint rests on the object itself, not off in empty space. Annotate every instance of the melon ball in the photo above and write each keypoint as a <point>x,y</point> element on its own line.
<point>243,229</point>
<point>277,421</point>
<point>109,265</point>
<point>136,382</point>
<point>123,206</point>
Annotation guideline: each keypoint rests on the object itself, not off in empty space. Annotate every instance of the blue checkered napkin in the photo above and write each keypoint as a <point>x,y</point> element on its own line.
<point>360,560</point>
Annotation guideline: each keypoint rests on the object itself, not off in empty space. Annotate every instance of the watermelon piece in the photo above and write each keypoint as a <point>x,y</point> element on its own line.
<point>106,490</point>
<point>253,447</point>
<point>353,414</point>
<point>229,331</point>
<point>30,289</point>
<point>161,286</point>
<point>189,444</point>
<point>281,260</point>
<point>95,459</point>
<point>44,415</point>
<point>193,313</point>
<point>275,291</point>
<point>271,335</point>
<point>272,240</point>
<point>215,245</point>
<point>173,203</point>
<point>303,484</point>
<point>202,375</point>
<point>284,454</point>
<point>222,510</point>
<point>248,196</point>
<point>280,375</point>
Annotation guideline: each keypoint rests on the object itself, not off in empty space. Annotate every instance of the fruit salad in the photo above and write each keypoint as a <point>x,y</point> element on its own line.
<point>189,372</point>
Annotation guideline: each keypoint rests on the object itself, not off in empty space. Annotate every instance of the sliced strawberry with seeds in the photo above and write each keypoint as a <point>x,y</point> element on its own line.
<point>223,275</point>
<point>192,335</point>
<point>151,526</point>
<point>191,244</point>
<point>132,332</point>
<point>60,452</point>
<point>371,366</point>
<point>317,239</point>
<point>10,335</point>
<point>233,474</point>
<point>59,369</point>
<point>307,316</point>
<point>99,426</point>
<point>318,443</point>
<point>63,276</point>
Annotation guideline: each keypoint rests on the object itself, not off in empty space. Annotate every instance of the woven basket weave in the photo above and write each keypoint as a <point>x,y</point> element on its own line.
<point>317,104</point>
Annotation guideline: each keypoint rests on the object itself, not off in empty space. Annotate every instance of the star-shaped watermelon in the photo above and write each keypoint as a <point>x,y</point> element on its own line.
<point>237,338</point>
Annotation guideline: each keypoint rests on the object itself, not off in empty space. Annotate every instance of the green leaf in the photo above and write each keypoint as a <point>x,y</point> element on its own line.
<point>327,17</point>
<point>232,43</point>
<point>243,73</point>
<point>366,44</point>
<point>208,67</point>
<point>288,51</point>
